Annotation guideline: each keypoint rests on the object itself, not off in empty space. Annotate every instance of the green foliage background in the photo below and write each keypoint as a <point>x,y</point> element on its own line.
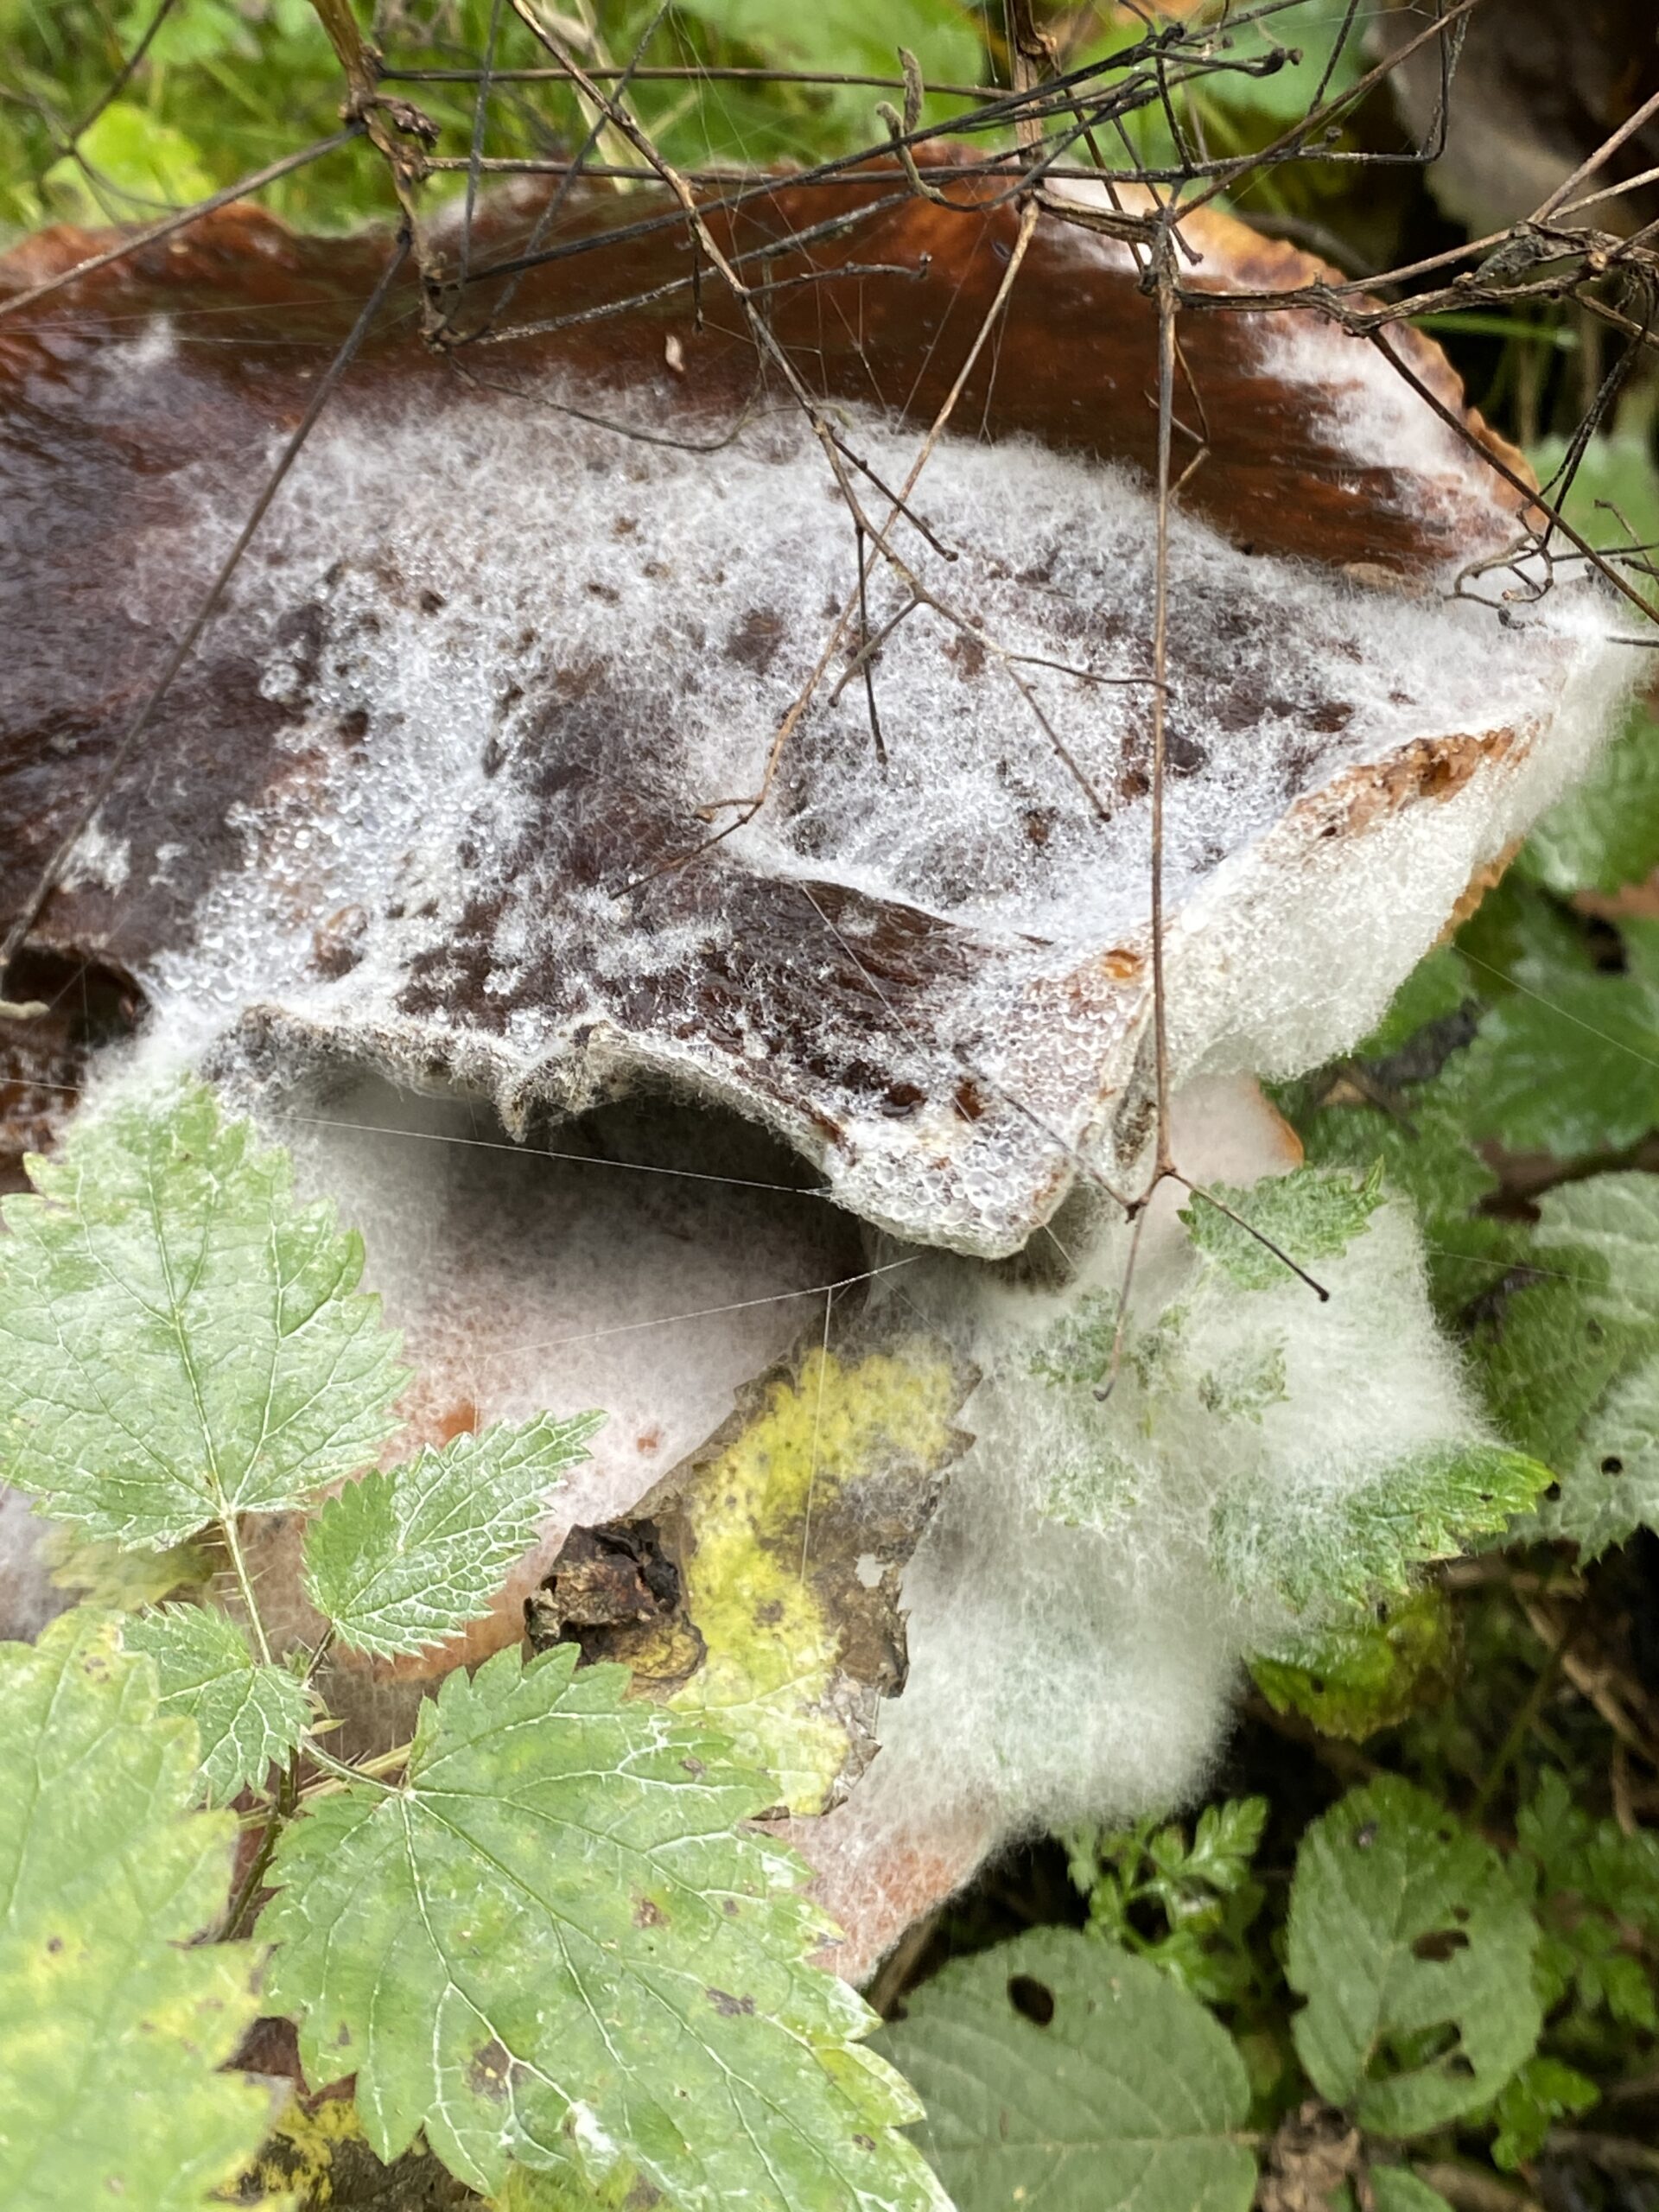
<point>1118,2017</point>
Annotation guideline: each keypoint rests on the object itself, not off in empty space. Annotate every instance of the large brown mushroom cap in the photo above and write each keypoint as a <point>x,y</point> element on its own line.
<point>427,795</point>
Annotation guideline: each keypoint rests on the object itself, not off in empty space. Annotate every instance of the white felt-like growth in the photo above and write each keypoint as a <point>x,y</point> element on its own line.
<point>459,578</point>
<point>466,585</point>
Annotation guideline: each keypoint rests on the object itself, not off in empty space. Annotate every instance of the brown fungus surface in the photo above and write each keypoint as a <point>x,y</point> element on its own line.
<point>434,792</point>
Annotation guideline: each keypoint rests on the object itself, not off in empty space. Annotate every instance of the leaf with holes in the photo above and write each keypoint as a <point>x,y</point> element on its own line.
<point>1064,2073</point>
<point>115,2020</point>
<point>408,1555</point>
<point>248,1716</point>
<point>1573,1359</point>
<point>1415,1956</point>
<point>180,1340</point>
<point>594,1968</point>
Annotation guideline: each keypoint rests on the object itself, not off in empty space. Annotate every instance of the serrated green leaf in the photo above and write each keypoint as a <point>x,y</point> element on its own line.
<point>1605,832</point>
<point>1310,1214</point>
<point>592,1967</point>
<point>1414,1955</point>
<point>1365,1671</point>
<point>179,1339</point>
<point>248,1716</point>
<point>115,2022</point>
<point>408,1555</point>
<point>1371,1540</point>
<point>1068,2075</point>
<point>1567,1064</point>
<point>1574,1365</point>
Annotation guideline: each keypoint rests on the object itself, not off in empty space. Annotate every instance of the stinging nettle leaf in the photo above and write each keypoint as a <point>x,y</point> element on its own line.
<point>1579,1355</point>
<point>1415,1956</point>
<point>180,1340</point>
<point>594,1968</point>
<point>115,2021</point>
<point>1066,2074</point>
<point>248,1716</point>
<point>408,1555</point>
<point>1355,1544</point>
<point>1311,1213</point>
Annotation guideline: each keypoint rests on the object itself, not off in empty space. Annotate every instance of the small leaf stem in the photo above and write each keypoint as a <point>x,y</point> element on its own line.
<point>244,1584</point>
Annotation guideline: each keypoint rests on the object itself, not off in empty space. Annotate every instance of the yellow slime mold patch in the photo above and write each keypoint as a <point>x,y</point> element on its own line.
<point>759,1582</point>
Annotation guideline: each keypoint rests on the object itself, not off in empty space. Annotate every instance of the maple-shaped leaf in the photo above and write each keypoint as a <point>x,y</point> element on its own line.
<point>115,2022</point>
<point>248,1716</point>
<point>180,1340</point>
<point>553,1944</point>
<point>408,1555</point>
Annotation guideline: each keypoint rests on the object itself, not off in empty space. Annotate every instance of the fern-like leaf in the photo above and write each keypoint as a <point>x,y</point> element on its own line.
<point>1311,1213</point>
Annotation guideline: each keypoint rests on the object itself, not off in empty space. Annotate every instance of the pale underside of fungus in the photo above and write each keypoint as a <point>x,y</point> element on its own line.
<point>442,852</point>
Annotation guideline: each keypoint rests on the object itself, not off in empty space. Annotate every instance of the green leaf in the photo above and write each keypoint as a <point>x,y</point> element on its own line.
<point>1605,833</point>
<point>1543,2092</point>
<point>1576,1367</point>
<point>1308,1213</point>
<point>1414,1955</point>
<point>1226,1838</point>
<point>1595,1891</point>
<point>248,1716</point>
<point>1567,1064</point>
<point>1613,499</point>
<point>407,1556</point>
<point>525,2191</point>
<point>1437,986</point>
<point>115,2021</point>
<point>120,1580</point>
<point>180,1340</point>
<point>592,1967</point>
<point>1369,1539</point>
<point>136,157</point>
<point>1066,2074</point>
<point>1364,1671</point>
<point>840,34</point>
<point>1397,2189</point>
